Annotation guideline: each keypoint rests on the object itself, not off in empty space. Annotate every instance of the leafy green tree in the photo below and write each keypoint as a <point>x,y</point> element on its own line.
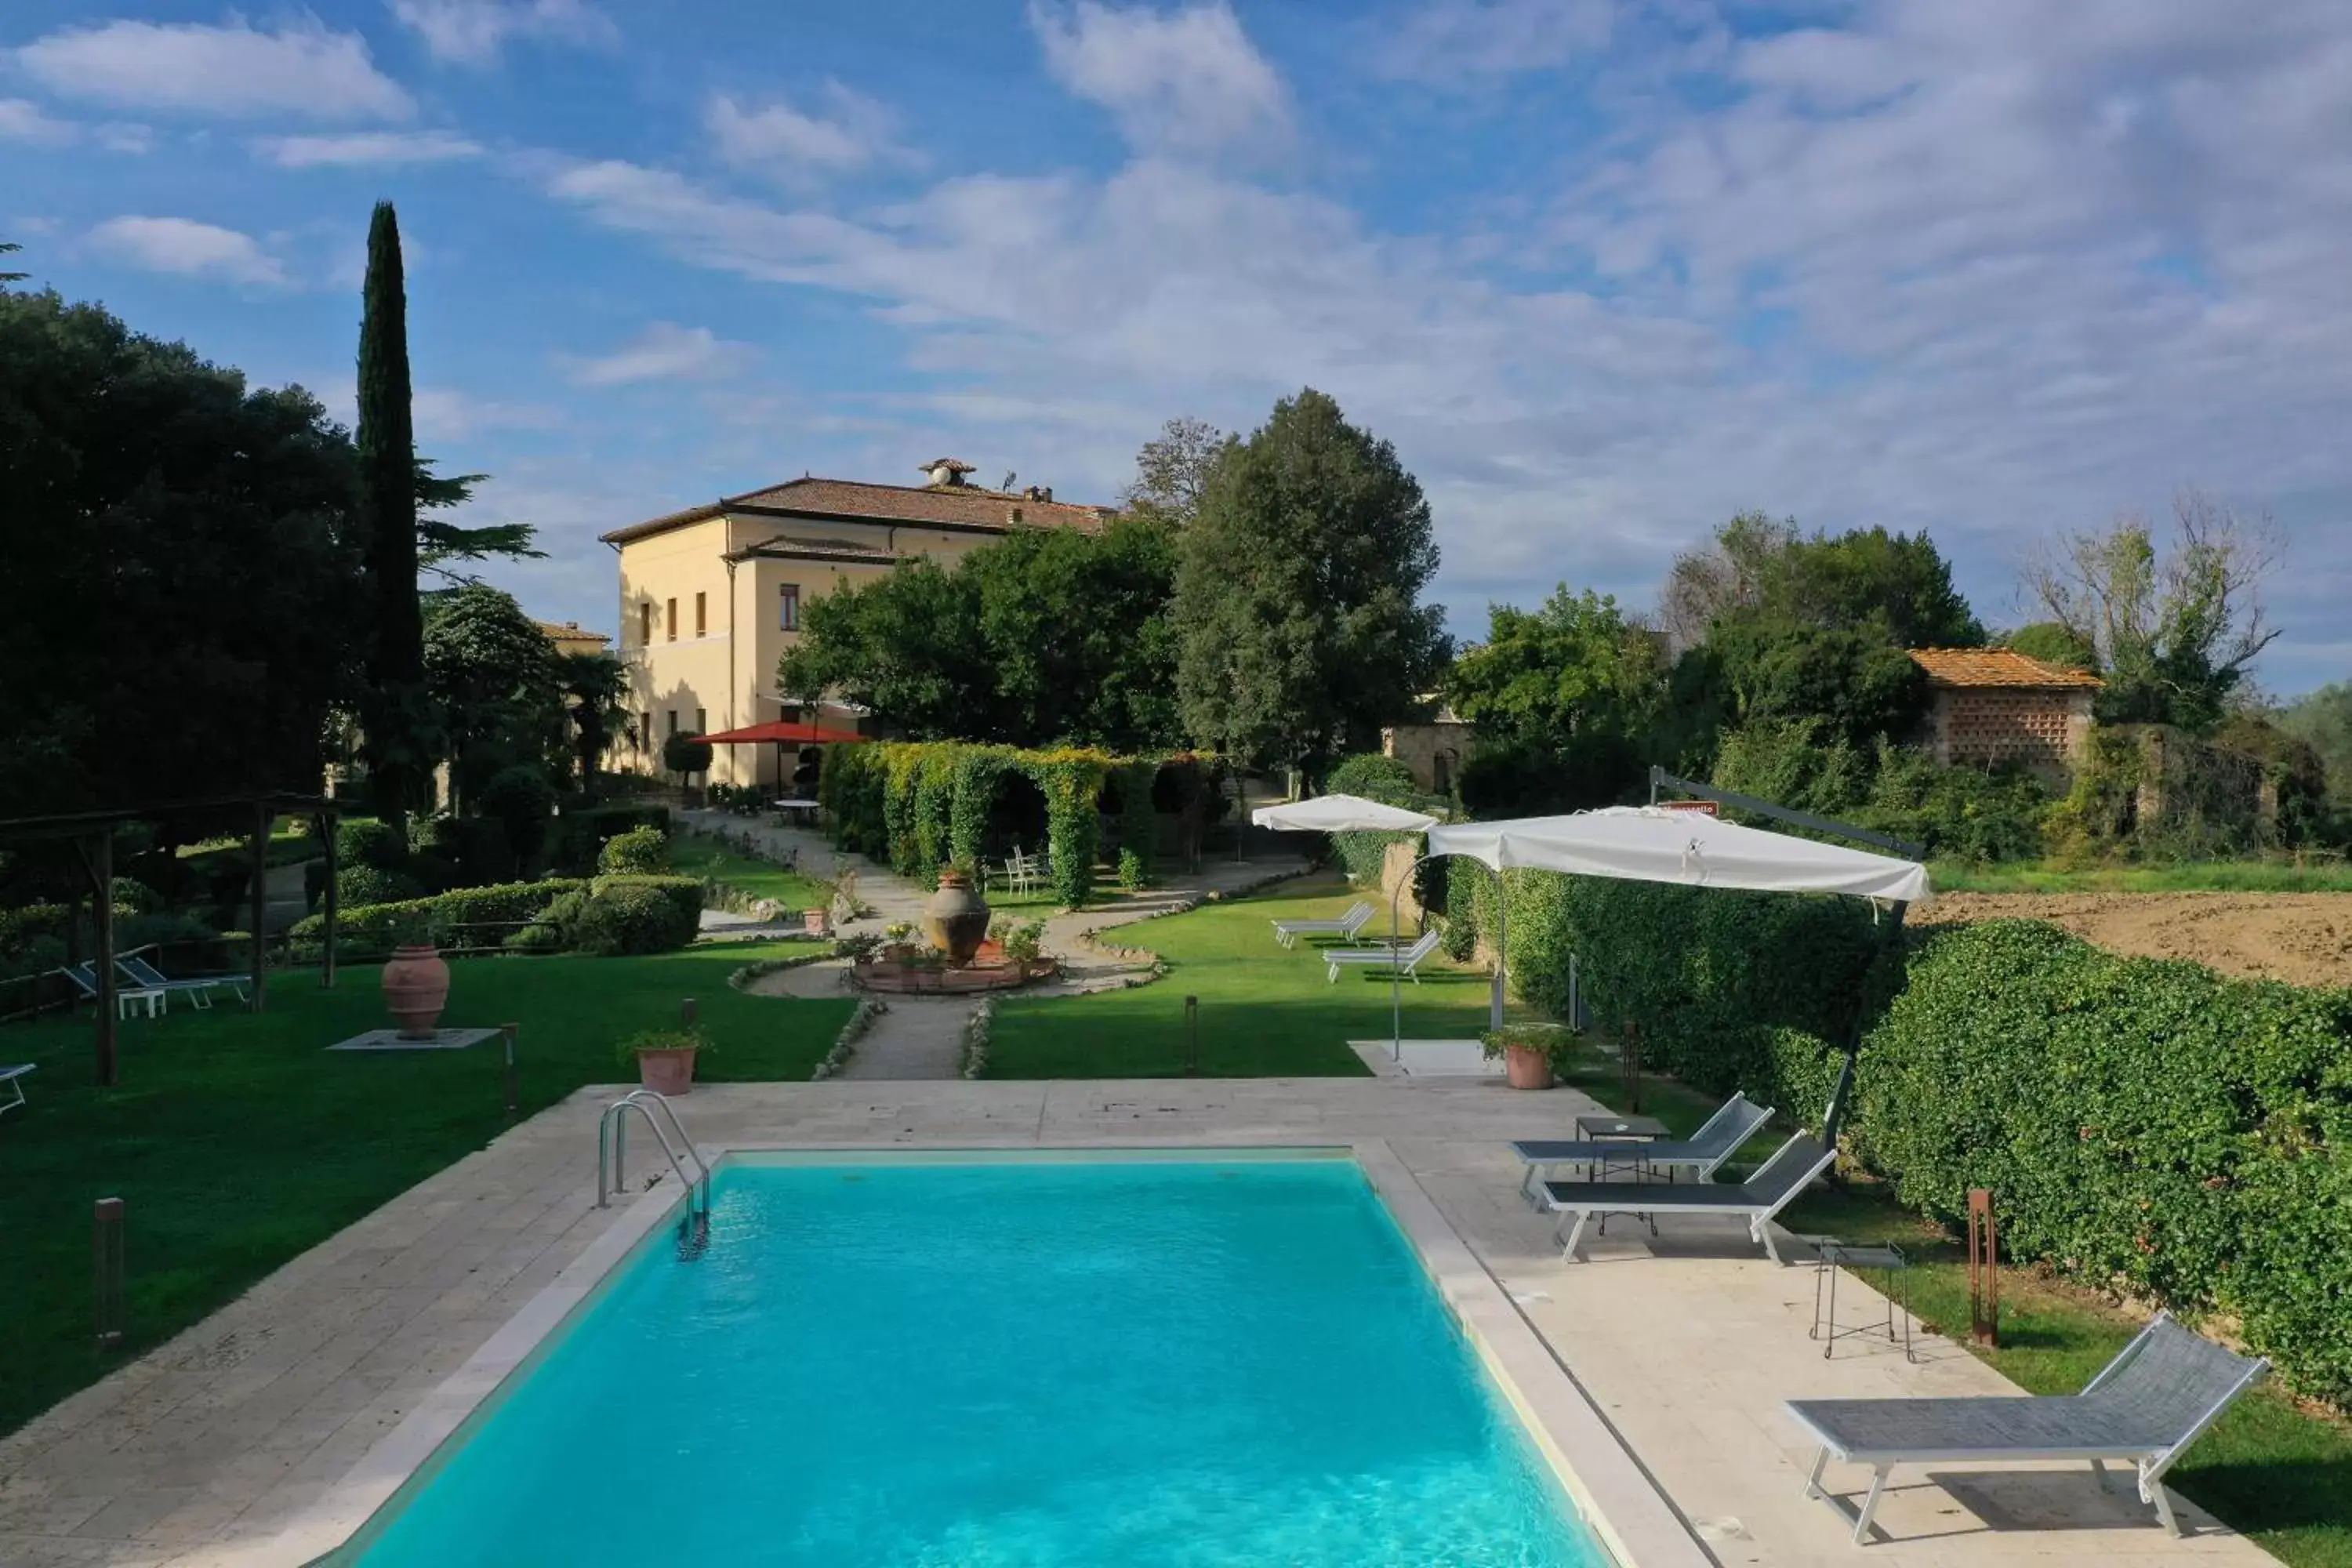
<point>2054,644</point>
<point>8,249</point>
<point>593,685</point>
<point>1864,579</point>
<point>183,568</point>
<point>495,686</point>
<point>1566,699</point>
<point>2323,721</point>
<point>1859,682</point>
<point>1297,599</point>
<point>1046,636</point>
<point>393,717</point>
<point>1171,471</point>
<point>2176,629</point>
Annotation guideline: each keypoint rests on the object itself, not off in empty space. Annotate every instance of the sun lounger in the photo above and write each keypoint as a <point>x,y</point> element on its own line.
<point>10,1078</point>
<point>1758,1199</point>
<point>2152,1401</point>
<point>1406,961</point>
<point>197,988</point>
<point>1359,915</point>
<point>1732,1124</point>
<point>84,979</point>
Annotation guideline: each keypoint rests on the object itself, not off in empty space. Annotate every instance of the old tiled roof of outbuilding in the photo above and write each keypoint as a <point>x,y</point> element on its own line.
<point>936,506</point>
<point>1999,668</point>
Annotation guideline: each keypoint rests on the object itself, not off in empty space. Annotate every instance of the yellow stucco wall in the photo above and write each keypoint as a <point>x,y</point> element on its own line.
<point>727,671</point>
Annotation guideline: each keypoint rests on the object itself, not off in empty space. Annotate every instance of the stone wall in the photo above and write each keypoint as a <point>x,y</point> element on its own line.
<point>1433,752</point>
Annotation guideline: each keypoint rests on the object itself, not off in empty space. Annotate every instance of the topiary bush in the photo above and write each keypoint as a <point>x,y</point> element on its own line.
<point>360,885</point>
<point>639,852</point>
<point>363,842</point>
<point>2144,1125</point>
<point>640,914</point>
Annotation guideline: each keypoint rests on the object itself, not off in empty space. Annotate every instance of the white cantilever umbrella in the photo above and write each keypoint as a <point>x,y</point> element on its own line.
<point>1341,814</point>
<point>1652,845</point>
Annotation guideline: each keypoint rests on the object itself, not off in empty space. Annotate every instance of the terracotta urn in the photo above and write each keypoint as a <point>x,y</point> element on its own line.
<point>956,920</point>
<point>814,921</point>
<point>416,987</point>
<point>1528,1067</point>
<point>668,1073</point>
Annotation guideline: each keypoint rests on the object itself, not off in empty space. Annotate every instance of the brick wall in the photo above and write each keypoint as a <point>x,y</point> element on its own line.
<point>1979,725</point>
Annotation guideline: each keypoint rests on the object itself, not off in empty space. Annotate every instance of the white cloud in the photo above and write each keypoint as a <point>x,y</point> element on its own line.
<point>474,32</point>
<point>366,149</point>
<point>183,245</point>
<point>22,121</point>
<point>857,133</point>
<point>1183,82</point>
<point>230,70</point>
<point>446,414</point>
<point>1460,38</point>
<point>664,352</point>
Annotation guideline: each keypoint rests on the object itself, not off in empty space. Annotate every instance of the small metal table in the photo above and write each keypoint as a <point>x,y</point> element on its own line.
<point>1830,1256</point>
<point>1608,1127</point>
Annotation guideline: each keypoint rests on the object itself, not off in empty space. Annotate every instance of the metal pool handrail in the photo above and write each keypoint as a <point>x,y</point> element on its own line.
<point>612,1149</point>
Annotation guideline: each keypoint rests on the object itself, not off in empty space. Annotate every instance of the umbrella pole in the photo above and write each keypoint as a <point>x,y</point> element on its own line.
<point>1502,950</point>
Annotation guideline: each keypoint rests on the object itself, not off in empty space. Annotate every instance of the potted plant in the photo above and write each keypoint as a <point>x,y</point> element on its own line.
<point>664,1059</point>
<point>415,980</point>
<point>1530,1052</point>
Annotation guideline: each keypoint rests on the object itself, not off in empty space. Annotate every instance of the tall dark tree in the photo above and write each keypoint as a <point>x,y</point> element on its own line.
<point>394,711</point>
<point>8,249</point>
<point>181,571</point>
<point>1298,598</point>
<point>495,684</point>
<point>593,685</point>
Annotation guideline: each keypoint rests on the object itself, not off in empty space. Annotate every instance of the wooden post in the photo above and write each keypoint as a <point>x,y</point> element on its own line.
<point>1984,1270</point>
<point>507,1031</point>
<point>327,825</point>
<point>1191,1036</point>
<point>260,911</point>
<point>100,861</point>
<point>686,1011</point>
<point>106,1258</point>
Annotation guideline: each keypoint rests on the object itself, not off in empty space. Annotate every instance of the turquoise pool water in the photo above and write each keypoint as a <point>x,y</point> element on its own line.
<point>1037,1364</point>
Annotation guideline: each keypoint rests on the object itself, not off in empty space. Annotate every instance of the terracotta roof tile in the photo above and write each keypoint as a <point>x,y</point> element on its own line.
<point>959,506</point>
<point>1998,666</point>
<point>571,630</point>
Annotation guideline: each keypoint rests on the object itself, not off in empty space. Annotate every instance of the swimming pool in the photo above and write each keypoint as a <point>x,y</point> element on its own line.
<point>1199,1361</point>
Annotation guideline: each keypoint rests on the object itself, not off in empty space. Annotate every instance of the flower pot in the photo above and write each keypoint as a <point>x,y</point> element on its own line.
<point>814,922</point>
<point>415,988</point>
<point>667,1073</point>
<point>1528,1068</point>
<point>956,920</point>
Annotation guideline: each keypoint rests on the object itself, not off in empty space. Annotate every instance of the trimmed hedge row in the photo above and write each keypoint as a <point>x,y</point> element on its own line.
<point>610,915</point>
<point>2146,1125</point>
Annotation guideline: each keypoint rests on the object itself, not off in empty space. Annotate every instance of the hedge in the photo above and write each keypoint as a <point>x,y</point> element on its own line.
<point>366,929</point>
<point>919,806</point>
<point>2144,1125</point>
<point>640,914</point>
<point>1375,776</point>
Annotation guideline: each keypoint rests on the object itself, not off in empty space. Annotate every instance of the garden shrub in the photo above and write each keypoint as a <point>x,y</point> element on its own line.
<point>363,842</point>
<point>1384,779</point>
<point>128,893</point>
<point>539,937</point>
<point>1134,873</point>
<point>521,801</point>
<point>640,914</point>
<point>360,884</point>
<point>639,852</point>
<point>370,930</point>
<point>499,905</point>
<point>2144,1125</point>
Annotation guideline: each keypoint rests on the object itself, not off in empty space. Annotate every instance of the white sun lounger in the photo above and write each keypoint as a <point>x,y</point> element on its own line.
<point>2150,1403</point>
<point>1733,1123</point>
<point>1359,915</point>
<point>1790,1170</point>
<point>197,988</point>
<point>10,1078</point>
<point>1406,961</point>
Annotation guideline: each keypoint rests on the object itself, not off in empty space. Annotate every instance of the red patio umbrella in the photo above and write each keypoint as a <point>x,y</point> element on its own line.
<point>783,732</point>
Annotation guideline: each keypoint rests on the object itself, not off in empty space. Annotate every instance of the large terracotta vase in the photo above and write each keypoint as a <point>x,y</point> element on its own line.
<point>956,920</point>
<point>416,987</point>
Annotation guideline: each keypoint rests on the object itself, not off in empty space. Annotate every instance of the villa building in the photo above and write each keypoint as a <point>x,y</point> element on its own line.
<point>1994,705</point>
<point>570,637</point>
<point>711,597</point>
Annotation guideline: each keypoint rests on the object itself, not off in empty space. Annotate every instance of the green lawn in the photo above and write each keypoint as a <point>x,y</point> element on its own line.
<point>239,1142</point>
<point>1264,1011</point>
<point>695,854</point>
<point>2208,876</point>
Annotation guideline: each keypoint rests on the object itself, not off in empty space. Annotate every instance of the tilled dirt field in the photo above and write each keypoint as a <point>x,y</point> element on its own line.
<point>2305,938</point>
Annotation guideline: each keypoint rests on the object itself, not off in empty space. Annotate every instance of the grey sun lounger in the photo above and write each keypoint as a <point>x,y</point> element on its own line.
<point>1791,1169</point>
<point>1406,961</point>
<point>1359,915</point>
<point>197,988</point>
<point>2150,1403</point>
<point>1733,1123</point>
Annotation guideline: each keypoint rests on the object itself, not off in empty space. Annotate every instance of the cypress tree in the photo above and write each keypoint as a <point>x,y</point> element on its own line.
<point>393,712</point>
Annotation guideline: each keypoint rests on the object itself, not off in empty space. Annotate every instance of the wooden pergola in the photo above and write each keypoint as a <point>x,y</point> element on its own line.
<point>91,834</point>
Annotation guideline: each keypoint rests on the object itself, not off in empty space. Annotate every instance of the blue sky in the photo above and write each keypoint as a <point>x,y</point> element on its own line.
<point>1605,272</point>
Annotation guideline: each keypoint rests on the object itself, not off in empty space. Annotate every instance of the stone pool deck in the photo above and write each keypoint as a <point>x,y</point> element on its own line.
<point>211,1449</point>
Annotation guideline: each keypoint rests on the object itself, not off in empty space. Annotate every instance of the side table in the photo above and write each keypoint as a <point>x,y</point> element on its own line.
<point>1830,1257</point>
<point>1633,1132</point>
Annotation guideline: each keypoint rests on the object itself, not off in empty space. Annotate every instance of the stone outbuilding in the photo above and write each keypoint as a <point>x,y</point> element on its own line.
<point>1994,705</point>
<point>1431,749</point>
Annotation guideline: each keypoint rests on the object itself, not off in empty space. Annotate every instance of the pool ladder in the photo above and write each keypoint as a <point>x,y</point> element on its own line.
<point>612,1162</point>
